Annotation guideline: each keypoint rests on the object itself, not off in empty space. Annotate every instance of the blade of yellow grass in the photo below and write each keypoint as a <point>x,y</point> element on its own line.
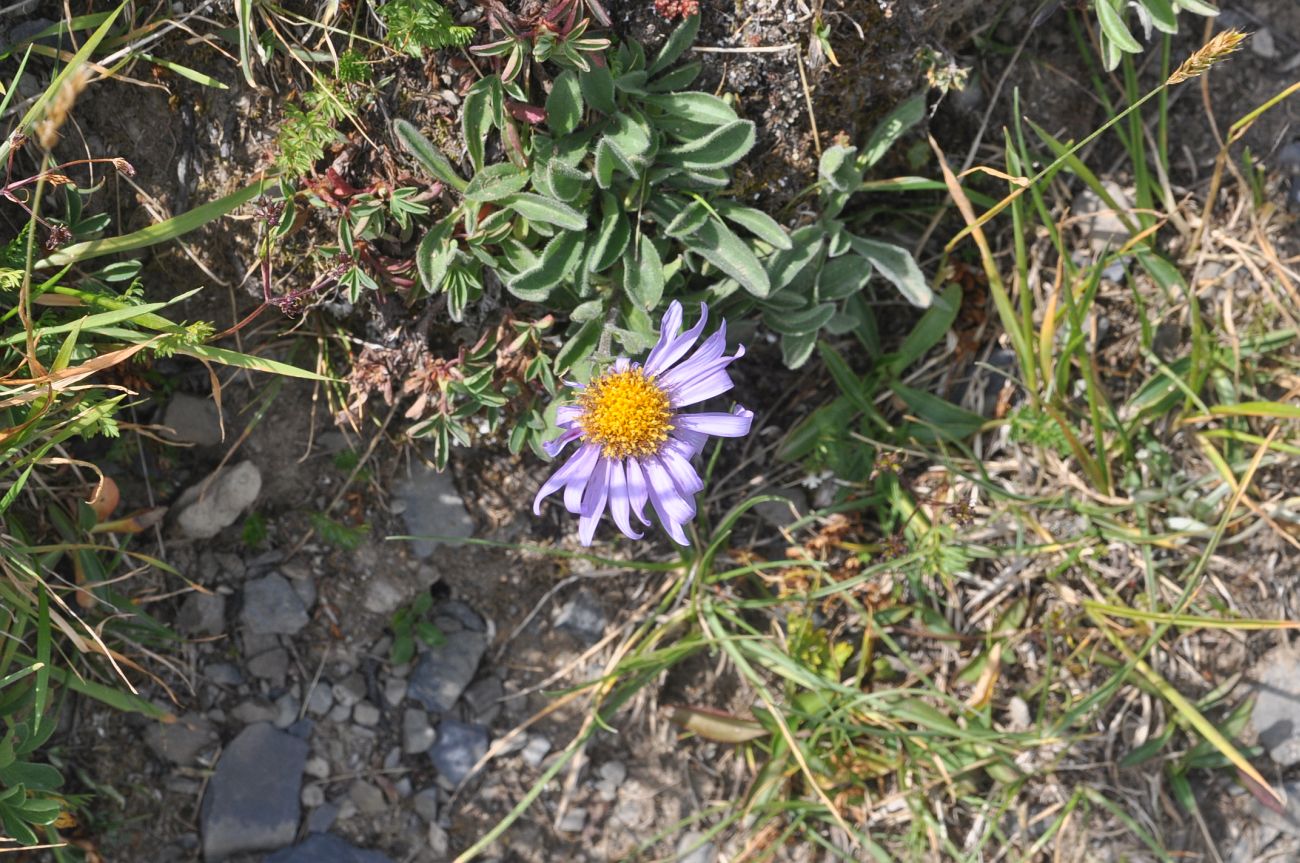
<point>1187,620</point>
<point>1188,711</point>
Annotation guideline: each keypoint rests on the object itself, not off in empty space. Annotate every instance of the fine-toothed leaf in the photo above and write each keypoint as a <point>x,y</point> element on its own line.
<point>613,236</point>
<point>808,320</point>
<point>757,222</point>
<point>896,122</point>
<point>496,182</point>
<point>678,41</point>
<point>427,154</point>
<point>558,260</point>
<point>643,274</point>
<point>722,147</point>
<point>536,208</point>
<point>716,243</point>
<point>598,89</point>
<point>564,104</point>
<point>898,266</point>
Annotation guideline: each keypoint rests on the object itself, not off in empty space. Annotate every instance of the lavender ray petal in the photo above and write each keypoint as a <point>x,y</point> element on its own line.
<point>717,424</point>
<point>636,489</point>
<point>688,482</point>
<point>593,502</point>
<point>572,468</point>
<point>674,528</point>
<point>619,504</point>
<point>666,353</point>
<point>577,483</point>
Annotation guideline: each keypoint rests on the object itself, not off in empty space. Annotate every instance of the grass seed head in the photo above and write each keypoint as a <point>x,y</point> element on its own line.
<point>1220,47</point>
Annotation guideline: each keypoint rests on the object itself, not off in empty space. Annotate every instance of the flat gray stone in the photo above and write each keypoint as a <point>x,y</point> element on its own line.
<point>431,506</point>
<point>272,665</point>
<point>326,848</point>
<point>273,607</point>
<point>368,799</point>
<point>417,733</point>
<point>202,614</point>
<point>182,741</point>
<point>322,818</point>
<point>583,617</point>
<point>458,748</point>
<point>209,507</point>
<point>251,803</point>
<point>1276,717</point>
<point>443,672</point>
<point>193,420</point>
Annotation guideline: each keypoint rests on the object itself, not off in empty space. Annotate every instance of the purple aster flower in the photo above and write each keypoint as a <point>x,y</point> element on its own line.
<point>635,444</point>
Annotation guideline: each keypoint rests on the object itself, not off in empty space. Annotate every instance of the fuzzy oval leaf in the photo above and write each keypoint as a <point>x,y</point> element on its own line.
<point>598,89</point>
<point>842,276</point>
<point>723,146</point>
<point>643,274</point>
<point>896,265</point>
<point>1112,24</point>
<point>676,80</point>
<point>564,104</point>
<point>427,154</point>
<point>536,208</point>
<point>579,346</point>
<point>688,221</point>
<point>433,257</point>
<point>613,236</point>
<point>716,243</point>
<point>808,320</point>
<point>496,182</point>
<point>690,115</point>
<point>785,265</point>
<point>478,116</point>
<point>682,37</point>
<point>558,260</point>
<point>908,113</point>
<point>757,222</point>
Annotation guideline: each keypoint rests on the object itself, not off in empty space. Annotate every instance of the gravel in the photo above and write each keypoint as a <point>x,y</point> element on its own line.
<point>273,607</point>
<point>431,506</point>
<point>458,748</point>
<point>181,742</point>
<point>213,505</point>
<point>326,848</point>
<point>417,732</point>
<point>443,672</point>
<point>202,614</point>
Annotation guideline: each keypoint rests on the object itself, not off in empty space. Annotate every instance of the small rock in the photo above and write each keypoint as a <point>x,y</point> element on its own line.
<point>317,767</point>
<point>417,734</point>
<point>433,507</point>
<point>272,665</point>
<point>782,513</point>
<point>425,804</point>
<point>202,614</point>
<point>583,617</point>
<point>320,699</point>
<point>394,691</point>
<point>369,799</point>
<point>255,710</point>
<point>1263,44</point>
<point>365,714</point>
<point>467,617</point>
<point>693,847</point>
<point>612,775</point>
<point>403,787</point>
<point>1102,225</point>
<point>182,741</point>
<point>350,690</point>
<point>306,590</point>
<point>1276,717</point>
<point>312,795</point>
<point>251,802</point>
<point>191,419</point>
<point>443,672</point>
<point>438,842</point>
<point>483,698</point>
<point>286,710</point>
<point>322,818</point>
<point>326,848</point>
<point>223,674</point>
<point>383,595</point>
<point>273,607</point>
<point>214,504</point>
<point>340,713</point>
<point>536,750</point>
<point>458,748</point>
<point>573,821</point>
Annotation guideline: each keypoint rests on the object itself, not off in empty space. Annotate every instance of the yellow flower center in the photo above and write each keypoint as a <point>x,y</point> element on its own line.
<point>626,413</point>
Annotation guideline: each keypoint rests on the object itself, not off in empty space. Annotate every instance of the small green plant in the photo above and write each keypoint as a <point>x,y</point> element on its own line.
<point>348,537</point>
<point>1116,37</point>
<point>411,623</point>
<point>416,26</point>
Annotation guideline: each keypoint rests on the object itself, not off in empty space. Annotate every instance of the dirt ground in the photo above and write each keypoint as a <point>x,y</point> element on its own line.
<point>190,144</point>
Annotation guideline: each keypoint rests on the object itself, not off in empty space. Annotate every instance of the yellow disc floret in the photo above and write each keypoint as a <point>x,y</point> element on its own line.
<point>625,413</point>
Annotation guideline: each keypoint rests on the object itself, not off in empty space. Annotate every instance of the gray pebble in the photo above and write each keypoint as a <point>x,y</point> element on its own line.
<point>273,607</point>
<point>417,733</point>
<point>366,714</point>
